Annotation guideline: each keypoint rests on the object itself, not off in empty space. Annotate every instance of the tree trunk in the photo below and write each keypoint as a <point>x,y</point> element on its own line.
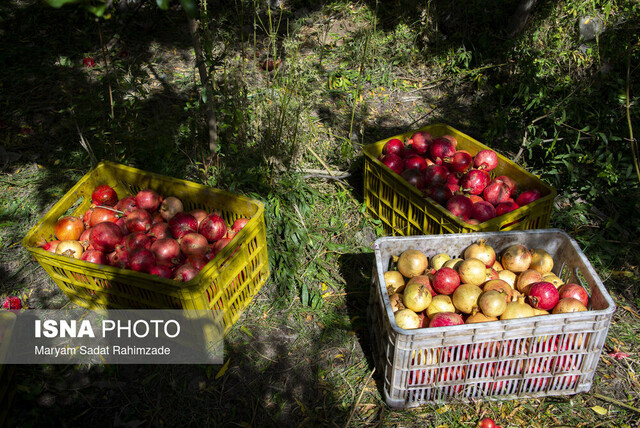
<point>520,16</point>
<point>212,122</point>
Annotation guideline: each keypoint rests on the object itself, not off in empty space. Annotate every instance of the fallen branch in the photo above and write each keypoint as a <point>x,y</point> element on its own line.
<point>355,406</point>
<point>616,402</point>
<point>320,173</point>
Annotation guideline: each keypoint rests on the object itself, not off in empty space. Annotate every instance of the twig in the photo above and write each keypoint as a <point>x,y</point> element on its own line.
<point>616,402</point>
<point>355,406</point>
<point>326,167</point>
<point>634,142</point>
<point>110,209</point>
<point>320,173</point>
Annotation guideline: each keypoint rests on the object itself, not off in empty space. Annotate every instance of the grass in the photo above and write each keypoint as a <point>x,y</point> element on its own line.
<point>351,74</point>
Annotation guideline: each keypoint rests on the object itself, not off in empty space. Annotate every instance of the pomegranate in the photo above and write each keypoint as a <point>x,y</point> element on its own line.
<point>541,261</point>
<point>169,207</point>
<point>465,297</point>
<point>435,174</point>
<point>194,244</point>
<point>460,206</point>
<point>51,246</point>
<point>413,177</point>
<point>477,316</point>
<point>95,256</point>
<point>528,196</point>
<point>451,139</point>
<point>460,162</point>
<point>420,142</point>
<point>482,251</point>
<point>517,309</point>
<point>213,227</point>
<point>510,182</point>
<point>100,215</point>
<point>483,211</point>
<point>496,192</point>
<point>412,263</point>
<point>395,300</point>
<point>88,62</point>
<point>440,303</point>
<point>474,181</point>
<point>439,260</point>
<point>394,281</point>
<point>137,240</point>
<point>239,223</point>
<point>198,262</point>
<point>141,260</point>
<point>219,245</point>
<point>415,162</point>
<point>139,220</point>
<point>119,258</point>
<point>161,270</point>
<point>416,297</point>
<point>425,280</point>
<point>567,305</point>
<point>394,145</point>
<point>492,303</point>
<point>104,195</point>
<point>126,205</point>
<point>575,291</point>
<point>440,149</point>
<point>543,295</point>
<point>122,224</point>
<point>148,199</point>
<point>526,278</point>
<point>12,303</point>
<point>486,160</point>
<point>159,231</point>
<point>84,238</point>
<point>70,248</point>
<point>516,258</point>
<point>445,319</point>
<point>185,272</point>
<point>446,280</point>
<point>166,251</point>
<point>440,193</point>
<point>105,236</point>
<point>394,162</point>
<point>86,218</point>
<point>183,223</point>
<point>506,207</point>
<point>407,152</point>
<point>472,271</point>
<point>68,228</point>
<point>199,215</point>
<point>487,423</point>
<point>407,319</point>
<point>499,285</point>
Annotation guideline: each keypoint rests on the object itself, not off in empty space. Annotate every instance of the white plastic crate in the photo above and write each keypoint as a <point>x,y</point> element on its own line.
<point>529,357</point>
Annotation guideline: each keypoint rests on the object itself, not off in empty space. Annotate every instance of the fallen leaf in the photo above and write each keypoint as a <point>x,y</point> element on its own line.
<point>223,370</point>
<point>599,410</point>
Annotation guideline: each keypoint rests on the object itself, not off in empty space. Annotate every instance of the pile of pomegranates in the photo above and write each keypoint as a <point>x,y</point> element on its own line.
<point>478,286</point>
<point>455,179</point>
<point>145,232</point>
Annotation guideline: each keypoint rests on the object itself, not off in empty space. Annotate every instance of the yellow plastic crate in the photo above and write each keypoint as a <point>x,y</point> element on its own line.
<point>404,211</point>
<point>227,283</point>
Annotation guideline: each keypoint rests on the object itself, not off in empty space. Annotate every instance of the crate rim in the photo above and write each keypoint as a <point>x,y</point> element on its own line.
<point>367,150</point>
<point>470,328</point>
<point>194,283</point>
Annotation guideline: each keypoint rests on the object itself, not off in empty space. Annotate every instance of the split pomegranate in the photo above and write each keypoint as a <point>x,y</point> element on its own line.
<point>496,192</point>
<point>148,199</point>
<point>104,195</point>
<point>119,258</point>
<point>510,182</point>
<point>51,245</point>
<point>12,303</point>
<point>68,228</point>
